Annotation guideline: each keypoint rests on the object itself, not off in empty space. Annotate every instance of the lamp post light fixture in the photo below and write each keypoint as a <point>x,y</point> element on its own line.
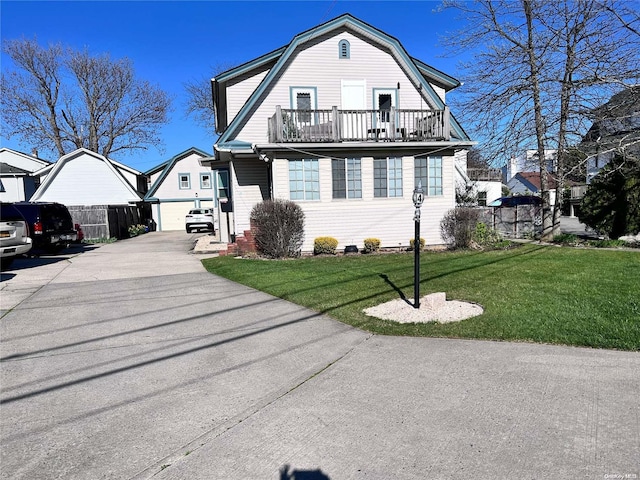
<point>418,198</point>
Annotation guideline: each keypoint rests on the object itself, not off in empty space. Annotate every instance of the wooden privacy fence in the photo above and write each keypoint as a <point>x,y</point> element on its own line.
<point>514,222</point>
<point>107,221</point>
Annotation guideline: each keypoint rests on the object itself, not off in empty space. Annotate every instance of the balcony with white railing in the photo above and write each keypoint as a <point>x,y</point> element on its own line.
<point>335,125</point>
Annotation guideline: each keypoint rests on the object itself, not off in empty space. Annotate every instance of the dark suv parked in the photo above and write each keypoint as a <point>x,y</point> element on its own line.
<point>50,225</point>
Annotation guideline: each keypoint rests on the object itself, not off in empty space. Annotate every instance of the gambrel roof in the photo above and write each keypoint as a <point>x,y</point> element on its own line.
<point>421,74</point>
<point>111,188</point>
<point>167,166</point>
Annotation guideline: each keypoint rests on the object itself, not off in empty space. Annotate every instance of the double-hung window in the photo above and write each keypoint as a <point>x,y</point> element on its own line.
<point>304,179</point>
<point>387,177</point>
<point>205,180</point>
<point>428,172</point>
<point>346,178</point>
<point>184,181</point>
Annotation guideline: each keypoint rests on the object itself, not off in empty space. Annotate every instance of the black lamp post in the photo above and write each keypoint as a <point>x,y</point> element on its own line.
<point>418,198</point>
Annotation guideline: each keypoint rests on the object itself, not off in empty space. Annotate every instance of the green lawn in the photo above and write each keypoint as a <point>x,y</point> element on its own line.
<point>531,293</point>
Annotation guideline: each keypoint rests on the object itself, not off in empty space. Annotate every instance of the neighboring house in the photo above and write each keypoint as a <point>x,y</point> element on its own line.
<point>16,180</point>
<point>528,162</point>
<point>528,183</point>
<point>484,185</point>
<point>345,123</point>
<point>616,130</point>
<point>83,177</point>
<point>180,184</point>
<point>103,196</point>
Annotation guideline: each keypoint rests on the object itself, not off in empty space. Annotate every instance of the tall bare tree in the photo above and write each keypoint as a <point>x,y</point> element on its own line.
<point>200,99</point>
<point>541,69</point>
<point>58,99</point>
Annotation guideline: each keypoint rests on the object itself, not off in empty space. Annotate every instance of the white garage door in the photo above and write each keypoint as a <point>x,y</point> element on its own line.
<point>172,215</point>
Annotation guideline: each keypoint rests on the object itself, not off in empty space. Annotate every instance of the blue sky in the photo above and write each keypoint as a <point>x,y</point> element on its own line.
<point>171,43</point>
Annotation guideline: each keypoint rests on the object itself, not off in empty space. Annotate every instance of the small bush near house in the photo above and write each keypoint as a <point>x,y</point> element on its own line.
<point>486,236</point>
<point>566,239</point>
<point>135,230</point>
<point>570,240</point>
<point>458,227</point>
<point>325,245</point>
<point>606,243</point>
<point>412,242</point>
<point>371,245</point>
<point>100,240</point>
<point>278,228</point>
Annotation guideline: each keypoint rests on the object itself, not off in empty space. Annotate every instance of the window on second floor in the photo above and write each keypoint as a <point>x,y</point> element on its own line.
<point>347,178</point>
<point>205,180</point>
<point>184,181</point>
<point>387,177</point>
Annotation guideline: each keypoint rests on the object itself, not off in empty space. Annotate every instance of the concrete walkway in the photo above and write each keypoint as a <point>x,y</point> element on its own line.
<point>131,361</point>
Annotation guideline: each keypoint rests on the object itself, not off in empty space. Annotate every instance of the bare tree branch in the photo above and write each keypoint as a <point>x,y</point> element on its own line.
<point>540,69</point>
<point>60,99</point>
<point>199,99</point>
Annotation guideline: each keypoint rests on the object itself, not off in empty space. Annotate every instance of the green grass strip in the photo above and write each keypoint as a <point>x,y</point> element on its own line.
<point>532,293</point>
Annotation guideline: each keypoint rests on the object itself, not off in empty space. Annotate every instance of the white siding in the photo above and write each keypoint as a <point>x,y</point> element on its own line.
<point>151,179</point>
<point>238,93</point>
<point>170,187</point>
<point>21,160</point>
<point>14,189</point>
<point>319,66</point>
<point>249,187</point>
<point>129,177</point>
<point>86,180</point>
<point>350,221</point>
<point>493,189</point>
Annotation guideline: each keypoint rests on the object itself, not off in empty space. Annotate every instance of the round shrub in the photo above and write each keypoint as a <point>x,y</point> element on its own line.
<point>413,241</point>
<point>278,228</point>
<point>371,245</point>
<point>325,245</point>
<point>485,235</point>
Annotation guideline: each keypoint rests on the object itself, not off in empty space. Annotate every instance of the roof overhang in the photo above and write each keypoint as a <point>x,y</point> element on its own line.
<point>362,149</point>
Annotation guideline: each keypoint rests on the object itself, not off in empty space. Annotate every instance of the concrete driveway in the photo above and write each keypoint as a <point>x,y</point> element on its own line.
<point>131,361</point>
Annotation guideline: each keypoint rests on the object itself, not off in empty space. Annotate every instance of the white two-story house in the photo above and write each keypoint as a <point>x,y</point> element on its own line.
<point>346,123</point>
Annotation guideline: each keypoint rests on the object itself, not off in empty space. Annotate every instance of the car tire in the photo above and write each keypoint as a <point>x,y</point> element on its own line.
<point>54,248</point>
<point>5,262</point>
<point>188,230</point>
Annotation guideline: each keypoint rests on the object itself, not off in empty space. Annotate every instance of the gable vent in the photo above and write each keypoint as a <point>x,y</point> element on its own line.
<point>344,49</point>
